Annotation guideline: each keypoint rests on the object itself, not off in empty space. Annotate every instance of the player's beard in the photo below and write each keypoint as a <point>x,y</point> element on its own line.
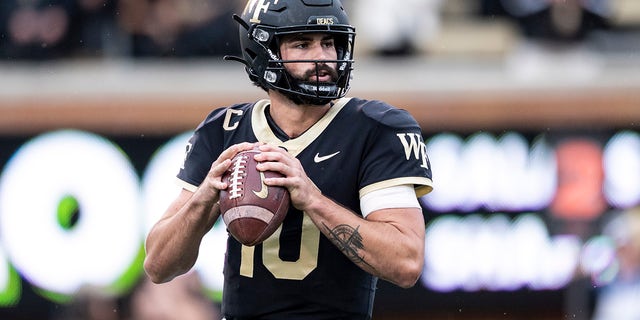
<point>308,83</point>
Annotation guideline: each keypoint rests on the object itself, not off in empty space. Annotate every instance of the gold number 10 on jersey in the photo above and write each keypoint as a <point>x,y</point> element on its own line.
<point>291,270</point>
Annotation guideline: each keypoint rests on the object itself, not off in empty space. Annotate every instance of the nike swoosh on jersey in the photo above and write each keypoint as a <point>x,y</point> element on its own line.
<point>318,158</point>
<point>264,192</point>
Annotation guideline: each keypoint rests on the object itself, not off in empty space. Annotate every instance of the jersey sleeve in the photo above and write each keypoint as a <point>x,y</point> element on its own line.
<point>396,154</point>
<point>202,149</point>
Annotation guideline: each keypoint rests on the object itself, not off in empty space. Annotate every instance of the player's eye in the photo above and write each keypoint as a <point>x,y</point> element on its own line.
<point>298,44</point>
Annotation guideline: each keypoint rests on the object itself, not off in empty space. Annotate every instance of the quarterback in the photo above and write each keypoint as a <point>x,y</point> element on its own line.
<point>354,169</point>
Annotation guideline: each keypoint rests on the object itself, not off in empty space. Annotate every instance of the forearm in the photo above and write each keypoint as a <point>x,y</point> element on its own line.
<point>172,245</point>
<point>174,242</point>
<point>384,247</point>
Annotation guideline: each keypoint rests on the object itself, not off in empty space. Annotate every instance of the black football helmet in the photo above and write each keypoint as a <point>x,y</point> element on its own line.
<point>262,25</point>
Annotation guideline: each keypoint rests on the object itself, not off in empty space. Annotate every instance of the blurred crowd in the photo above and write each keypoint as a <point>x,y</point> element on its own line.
<point>53,29</point>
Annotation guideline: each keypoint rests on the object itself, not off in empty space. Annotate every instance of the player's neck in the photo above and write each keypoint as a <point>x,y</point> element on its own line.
<point>294,119</point>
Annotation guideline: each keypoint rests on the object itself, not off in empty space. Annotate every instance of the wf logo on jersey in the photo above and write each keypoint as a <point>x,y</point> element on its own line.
<point>414,147</point>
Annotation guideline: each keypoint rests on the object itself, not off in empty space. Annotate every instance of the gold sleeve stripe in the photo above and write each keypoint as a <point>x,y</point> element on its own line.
<point>185,185</point>
<point>422,185</point>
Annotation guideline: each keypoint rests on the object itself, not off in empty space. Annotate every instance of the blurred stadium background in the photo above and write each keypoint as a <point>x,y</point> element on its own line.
<point>530,110</point>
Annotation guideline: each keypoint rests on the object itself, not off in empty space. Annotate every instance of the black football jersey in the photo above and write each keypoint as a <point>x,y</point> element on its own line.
<point>359,146</point>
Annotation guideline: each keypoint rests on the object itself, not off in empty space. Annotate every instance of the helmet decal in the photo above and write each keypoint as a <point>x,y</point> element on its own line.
<point>255,7</point>
<point>324,20</point>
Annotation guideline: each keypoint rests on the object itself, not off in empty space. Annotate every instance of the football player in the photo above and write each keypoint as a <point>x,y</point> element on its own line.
<point>354,169</point>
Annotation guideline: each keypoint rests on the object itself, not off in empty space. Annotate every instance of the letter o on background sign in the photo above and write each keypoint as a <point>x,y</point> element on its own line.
<point>69,212</point>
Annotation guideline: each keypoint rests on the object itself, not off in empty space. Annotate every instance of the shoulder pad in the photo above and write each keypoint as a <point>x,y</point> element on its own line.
<point>387,115</point>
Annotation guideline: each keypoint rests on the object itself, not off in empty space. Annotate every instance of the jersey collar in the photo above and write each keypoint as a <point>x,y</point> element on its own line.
<point>264,133</point>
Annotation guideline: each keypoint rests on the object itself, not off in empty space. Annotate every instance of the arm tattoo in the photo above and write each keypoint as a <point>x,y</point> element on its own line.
<point>349,241</point>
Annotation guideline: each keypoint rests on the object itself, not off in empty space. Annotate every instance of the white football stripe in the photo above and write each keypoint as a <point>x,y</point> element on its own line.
<point>247,212</point>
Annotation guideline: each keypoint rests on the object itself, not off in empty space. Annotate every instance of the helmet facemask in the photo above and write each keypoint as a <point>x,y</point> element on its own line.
<point>301,91</point>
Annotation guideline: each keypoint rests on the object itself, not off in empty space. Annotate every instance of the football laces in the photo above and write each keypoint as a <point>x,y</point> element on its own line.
<point>237,175</point>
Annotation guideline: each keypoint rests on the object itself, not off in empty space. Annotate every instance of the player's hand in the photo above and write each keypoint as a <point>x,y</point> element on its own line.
<point>213,181</point>
<point>301,189</point>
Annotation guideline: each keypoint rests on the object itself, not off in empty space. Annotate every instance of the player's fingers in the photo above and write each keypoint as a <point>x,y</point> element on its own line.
<point>218,168</point>
<point>293,175</point>
<point>266,148</point>
<point>228,153</point>
<point>274,154</point>
<point>223,163</point>
<point>236,148</point>
<point>285,164</point>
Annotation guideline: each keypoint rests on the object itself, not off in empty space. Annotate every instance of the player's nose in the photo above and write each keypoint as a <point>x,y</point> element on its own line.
<point>320,52</point>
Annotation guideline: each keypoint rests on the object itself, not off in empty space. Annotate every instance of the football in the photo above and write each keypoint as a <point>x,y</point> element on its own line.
<point>251,210</point>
